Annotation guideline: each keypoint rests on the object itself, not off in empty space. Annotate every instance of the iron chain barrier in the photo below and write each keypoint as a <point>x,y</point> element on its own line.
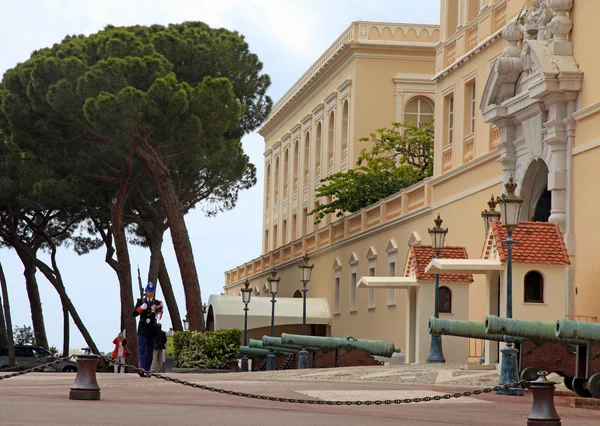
<point>521,384</point>
<point>34,369</point>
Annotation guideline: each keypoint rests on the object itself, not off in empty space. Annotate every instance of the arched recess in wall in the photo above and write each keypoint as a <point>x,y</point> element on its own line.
<point>418,110</point>
<point>276,180</point>
<point>345,124</point>
<point>306,156</point>
<point>533,291</point>
<point>296,162</point>
<point>445,300</point>
<point>286,171</point>
<point>297,294</point>
<point>318,151</point>
<point>537,200</point>
<point>330,141</point>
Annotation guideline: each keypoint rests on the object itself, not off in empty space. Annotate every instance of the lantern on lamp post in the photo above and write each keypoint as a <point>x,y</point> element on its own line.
<point>491,215</point>
<point>510,208</point>
<point>246,294</point>
<point>305,271</point>
<point>438,238</point>
<point>273,284</point>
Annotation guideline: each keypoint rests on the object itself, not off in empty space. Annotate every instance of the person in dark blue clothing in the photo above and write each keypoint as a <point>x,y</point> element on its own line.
<point>150,311</point>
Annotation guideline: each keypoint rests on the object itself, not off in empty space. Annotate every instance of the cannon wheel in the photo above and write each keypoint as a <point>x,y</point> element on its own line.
<point>568,381</point>
<point>530,374</point>
<point>594,385</point>
<point>579,389</point>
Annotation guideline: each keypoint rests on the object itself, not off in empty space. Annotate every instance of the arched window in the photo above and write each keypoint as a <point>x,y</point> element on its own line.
<point>286,171</point>
<point>295,169</point>
<point>345,131</point>
<point>268,185</point>
<point>445,300</point>
<point>330,142</point>
<point>318,152</point>
<point>276,180</point>
<point>297,294</point>
<point>418,110</point>
<point>534,287</point>
<point>306,156</point>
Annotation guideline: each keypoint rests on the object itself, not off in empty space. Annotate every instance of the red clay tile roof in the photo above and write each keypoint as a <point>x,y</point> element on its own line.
<point>540,243</point>
<point>420,256</point>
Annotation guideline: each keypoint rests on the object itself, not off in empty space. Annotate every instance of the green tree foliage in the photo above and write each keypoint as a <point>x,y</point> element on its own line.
<point>398,158</point>
<point>130,103</point>
<point>24,335</point>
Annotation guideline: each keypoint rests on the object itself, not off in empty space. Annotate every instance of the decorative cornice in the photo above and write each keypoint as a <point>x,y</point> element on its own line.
<point>345,88</point>
<point>587,111</point>
<point>317,111</point>
<point>306,122</point>
<point>330,100</point>
<point>296,131</point>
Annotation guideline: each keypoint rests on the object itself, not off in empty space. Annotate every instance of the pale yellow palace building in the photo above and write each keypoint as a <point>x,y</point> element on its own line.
<point>508,99</point>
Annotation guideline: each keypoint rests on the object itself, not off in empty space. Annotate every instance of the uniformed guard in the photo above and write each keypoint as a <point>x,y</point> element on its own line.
<point>150,311</point>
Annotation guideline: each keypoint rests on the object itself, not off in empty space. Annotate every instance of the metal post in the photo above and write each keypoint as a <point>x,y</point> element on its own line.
<point>271,355</point>
<point>436,353</point>
<point>543,411</point>
<point>303,354</point>
<point>508,367</point>
<point>482,357</point>
<point>86,386</point>
<point>245,358</point>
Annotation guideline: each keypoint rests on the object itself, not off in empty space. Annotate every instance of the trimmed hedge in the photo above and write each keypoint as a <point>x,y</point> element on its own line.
<point>212,349</point>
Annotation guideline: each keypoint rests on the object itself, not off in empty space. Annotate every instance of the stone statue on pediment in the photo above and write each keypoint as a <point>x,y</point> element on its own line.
<point>532,19</point>
<point>545,16</point>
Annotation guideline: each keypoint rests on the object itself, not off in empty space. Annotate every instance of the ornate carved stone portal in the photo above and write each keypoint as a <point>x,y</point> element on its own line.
<point>530,94</point>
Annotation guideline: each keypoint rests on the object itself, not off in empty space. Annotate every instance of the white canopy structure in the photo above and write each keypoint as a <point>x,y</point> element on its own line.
<point>463,266</point>
<point>228,311</point>
<point>387,282</point>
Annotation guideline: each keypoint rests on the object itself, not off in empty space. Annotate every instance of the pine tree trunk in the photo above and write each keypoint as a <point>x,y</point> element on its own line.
<point>167,289</point>
<point>124,264</point>
<point>6,307</point>
<point>3,334</point>
<point>66,334</point>
<point>179,235</point>
<point>155,240</point>
<point>37,315</point>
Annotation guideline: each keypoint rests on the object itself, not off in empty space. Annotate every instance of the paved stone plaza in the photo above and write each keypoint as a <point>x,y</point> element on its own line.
<point>42,398</point>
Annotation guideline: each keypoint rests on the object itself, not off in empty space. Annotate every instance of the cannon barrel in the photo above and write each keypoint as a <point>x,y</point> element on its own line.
<point>586,331</point>
<point>457,328</point>
<point>258,352</point>
<point>537,331</point>
<point>275,342</point>
<point>280,349</point>
<point>372,347</point>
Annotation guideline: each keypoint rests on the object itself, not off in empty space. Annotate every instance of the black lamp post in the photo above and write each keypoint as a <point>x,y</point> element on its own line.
<point>246,293</point>
<point>489,216</point>
<point>305,271</point>
<point>438,237</point>
<point>510,206</point>
<point>273,289</point>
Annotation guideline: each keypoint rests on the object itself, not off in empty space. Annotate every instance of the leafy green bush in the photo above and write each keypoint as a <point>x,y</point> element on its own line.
<point>212,349</point>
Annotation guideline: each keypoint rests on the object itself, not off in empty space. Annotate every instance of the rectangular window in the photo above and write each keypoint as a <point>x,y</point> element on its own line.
<point>284,232</point>
<point>305,221</point>
<point>336,296</point>
<point>315,216</point>
<point>371,290</point>
<point>450,107</point>
<point>294,227</point>
<point>275,242</point>
<point>353,292</point>
<point>473,106</point>
<point>391,297</point>
<point>266,242</point>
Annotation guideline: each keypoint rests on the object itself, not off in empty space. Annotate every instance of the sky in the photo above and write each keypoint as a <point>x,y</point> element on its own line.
<point>287,35</point>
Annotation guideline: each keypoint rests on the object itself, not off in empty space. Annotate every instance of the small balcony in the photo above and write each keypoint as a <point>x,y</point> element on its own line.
<point>469,148</point>
<point>499,17</point>
<point>450,54</point>
<point>472,37</point>
<point>495,136</point>
<point>447,158</point>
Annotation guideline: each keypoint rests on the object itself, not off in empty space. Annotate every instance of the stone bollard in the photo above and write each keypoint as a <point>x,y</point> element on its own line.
<point>85,386</point>
<point>543,411</point>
